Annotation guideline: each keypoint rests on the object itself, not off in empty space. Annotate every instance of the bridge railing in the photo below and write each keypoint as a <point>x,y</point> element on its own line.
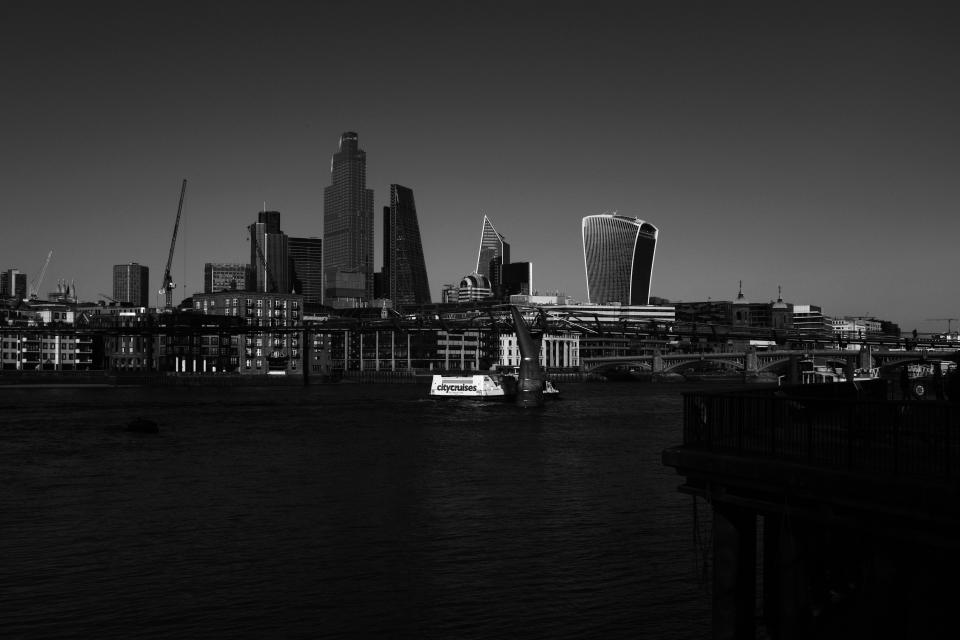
<point>908,439</point>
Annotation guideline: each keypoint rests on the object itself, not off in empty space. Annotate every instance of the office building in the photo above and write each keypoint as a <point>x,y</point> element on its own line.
<point>517,279</point>
<point>131,284</point>
<point>472,287</point>
<point>269,268</point>
<point>618,253</point>
<point>493,255</point>
<point>223,276</point>
<point>306,268</point>
<point>348,226</point>
<point>404,268</point>
<point>13,284</point>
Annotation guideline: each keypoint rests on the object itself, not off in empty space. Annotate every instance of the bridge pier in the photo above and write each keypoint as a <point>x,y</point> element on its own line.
<point>734,572</point>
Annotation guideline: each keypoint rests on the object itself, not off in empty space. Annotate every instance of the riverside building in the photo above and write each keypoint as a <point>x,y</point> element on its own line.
<point>618,253</point>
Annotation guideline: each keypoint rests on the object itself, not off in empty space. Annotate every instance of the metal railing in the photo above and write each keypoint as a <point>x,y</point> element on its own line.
<point>908,439</point>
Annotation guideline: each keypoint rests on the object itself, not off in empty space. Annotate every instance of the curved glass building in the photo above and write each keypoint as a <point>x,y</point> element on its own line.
<point>618,256</point>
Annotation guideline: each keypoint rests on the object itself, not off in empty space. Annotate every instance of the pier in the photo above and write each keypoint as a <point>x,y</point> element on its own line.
<point>834,510</point>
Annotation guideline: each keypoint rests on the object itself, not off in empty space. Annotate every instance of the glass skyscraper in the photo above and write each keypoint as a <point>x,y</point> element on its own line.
<point>348,225</point>
<point>268,254</point>
<point>494,253</point>
<point>618,254</point>
<point>404,268</point>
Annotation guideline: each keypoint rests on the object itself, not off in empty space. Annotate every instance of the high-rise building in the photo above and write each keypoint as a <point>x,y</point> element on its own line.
<point>517,279</point>
<point>494,253</point>
<point>131,284</point>
<point>618,254</point>
<point>13,284</point>
<point>404,268</point>
<point>268,255</point>
<point>222,276</point>
<point>348,225</point>
<point>306,268</point>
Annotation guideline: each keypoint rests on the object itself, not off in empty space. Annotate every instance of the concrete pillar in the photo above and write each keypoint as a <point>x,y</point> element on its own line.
<point>734,572</point>
<point>786,601</point>
<point>657,361</point>
<point>850,367</point>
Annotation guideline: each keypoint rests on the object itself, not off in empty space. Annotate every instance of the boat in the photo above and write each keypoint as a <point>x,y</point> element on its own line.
<point>812,373</point>
<point>485,386</point>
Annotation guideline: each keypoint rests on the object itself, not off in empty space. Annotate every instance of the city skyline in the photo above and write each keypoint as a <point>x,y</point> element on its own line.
<point>810,148</point>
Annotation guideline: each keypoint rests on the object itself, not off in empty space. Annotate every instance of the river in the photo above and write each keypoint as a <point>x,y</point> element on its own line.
<point>345,511</point>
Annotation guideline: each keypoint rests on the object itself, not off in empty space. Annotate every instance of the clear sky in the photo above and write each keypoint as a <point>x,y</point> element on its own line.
<point>809,145</point>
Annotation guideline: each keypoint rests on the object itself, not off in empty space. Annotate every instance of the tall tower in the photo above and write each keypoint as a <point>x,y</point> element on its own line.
<point>348,224</point>
<point>268,254</point>
<point>131,284</point>
<point>618,254</point>
<point>494,253</point>
<point>404,268</point>
<point>306,267</point>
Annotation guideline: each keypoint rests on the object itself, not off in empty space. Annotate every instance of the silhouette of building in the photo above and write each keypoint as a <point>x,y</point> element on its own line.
<point>404,268</point>
<point>222,276</point>
<point>306,268</point>
<point>494,253</point>
<point>618,254</point>
<point>13,284</point>
<point>131,284</point>
<point>269,271</point>
<point>348,225</point>
<point>517,279</point>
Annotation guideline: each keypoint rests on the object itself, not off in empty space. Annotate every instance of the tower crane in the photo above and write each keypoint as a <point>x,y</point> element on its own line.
<point>167,286</point>
<point>35,285</point>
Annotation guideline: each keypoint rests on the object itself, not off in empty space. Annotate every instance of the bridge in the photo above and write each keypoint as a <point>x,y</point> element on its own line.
<point>759,361</point>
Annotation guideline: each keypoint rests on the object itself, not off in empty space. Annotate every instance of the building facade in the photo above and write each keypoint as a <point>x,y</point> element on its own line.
<point>475,286</point>
<point>269,267</point>
<point>404,268</point>
<point>348,225</point>
<point>618,254</point>
<point>131,284</point>
<point>222,276</point>
<point>306,268</point>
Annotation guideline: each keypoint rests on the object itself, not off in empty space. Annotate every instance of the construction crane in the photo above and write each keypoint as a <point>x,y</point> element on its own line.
<point>947,320</point>
<point>167,286</point>
<point>35,285</point>
<point>266,266</point>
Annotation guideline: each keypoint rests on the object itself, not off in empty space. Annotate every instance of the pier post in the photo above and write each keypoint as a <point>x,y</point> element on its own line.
<point>734,572</point>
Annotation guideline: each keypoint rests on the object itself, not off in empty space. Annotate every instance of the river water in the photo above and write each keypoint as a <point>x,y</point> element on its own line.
<point>344,511</point>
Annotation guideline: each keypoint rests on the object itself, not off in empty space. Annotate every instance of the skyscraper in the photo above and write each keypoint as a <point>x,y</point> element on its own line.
<point>306,268</point>
<point>494,253</point>
<point>404,268</point>
<point>517,279</point>
<point>618,254</point>
<point>348,225</point>
<point>131,284</point>
<point>268,254</point>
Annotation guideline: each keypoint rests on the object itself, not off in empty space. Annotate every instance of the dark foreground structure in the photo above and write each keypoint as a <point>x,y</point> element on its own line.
<point>835,511</point>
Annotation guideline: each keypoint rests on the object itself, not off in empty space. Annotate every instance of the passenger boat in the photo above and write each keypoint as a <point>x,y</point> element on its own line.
<point>484,386</point>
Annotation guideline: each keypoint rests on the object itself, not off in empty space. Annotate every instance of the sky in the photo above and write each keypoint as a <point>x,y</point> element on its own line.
<point>812,146</point>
